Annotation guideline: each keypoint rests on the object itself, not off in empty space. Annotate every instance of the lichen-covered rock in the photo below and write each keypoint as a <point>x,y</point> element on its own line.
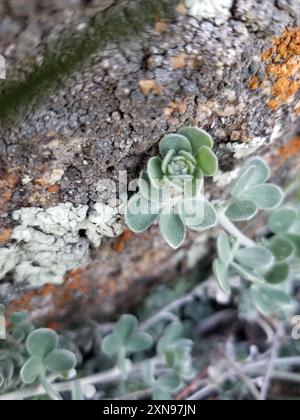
<point>109,115</point>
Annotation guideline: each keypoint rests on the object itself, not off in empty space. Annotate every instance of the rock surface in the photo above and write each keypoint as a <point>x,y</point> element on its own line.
<point>238,79</point>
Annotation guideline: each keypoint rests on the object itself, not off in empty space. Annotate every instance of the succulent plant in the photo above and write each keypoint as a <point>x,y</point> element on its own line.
<point>170,187</point>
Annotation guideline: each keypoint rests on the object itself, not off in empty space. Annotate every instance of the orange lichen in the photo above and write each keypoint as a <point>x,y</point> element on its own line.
<point>179,61</point>
<point>5,236</point>
<point>291,149</point>
<point>53,189</point>
<point>54,296</point>
<point>120,244</point>
<point>150,86</point>
<point>254,83</point>
<point>282,63</point>
<point>8,181</point>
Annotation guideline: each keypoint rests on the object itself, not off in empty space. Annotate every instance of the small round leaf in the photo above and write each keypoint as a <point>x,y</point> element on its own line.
<point>141,213</point>
<point>138,342</point>
<point>197,138</point>
<point>169,381</point>
<point>241,210</point>
<point>174,142</point>
<point>31,370</point>
<point>262,171</point>
<point>278,274</point>
<point>282,220</point>
<point>207,161</point>
<point>126,326</point>
<point>112,344</point>
<point>154,171</point>
<point>224,248</point>
<point>281,248</point>
<point>42,342</point>
<point>254,257</point>
<point>60,361</point>
<point>172,229</point>
<point>221,272</point>
<point>265,196</point>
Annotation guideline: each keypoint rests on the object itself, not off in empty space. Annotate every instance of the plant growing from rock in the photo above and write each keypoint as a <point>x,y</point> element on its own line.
<point>170,187</point>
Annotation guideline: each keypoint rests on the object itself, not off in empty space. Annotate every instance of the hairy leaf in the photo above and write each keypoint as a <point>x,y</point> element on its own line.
<point>60,361</point>
<point>42,342</point>
<point>281,248</point>
<point>141,213</point>
<point>241,210</point>
<point>224,248</point>
<point>112,344</point>
<point>282,220</point>
<point>265,196</point>
<point>126,326</point>
<point>278,274</point>
<point>207,161</point>
<point>154,171</point>
<point>172,229</point>
<point>262,171</point>
<point>221,273</point>
<point>254,257</point>
<point>197,138</point>
<point>243,181</point>
<point>31,370</point>
<point>138,342</point>
<point>175,142</point>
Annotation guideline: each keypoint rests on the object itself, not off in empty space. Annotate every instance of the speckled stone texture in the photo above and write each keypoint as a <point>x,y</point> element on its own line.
<point>107,117</point>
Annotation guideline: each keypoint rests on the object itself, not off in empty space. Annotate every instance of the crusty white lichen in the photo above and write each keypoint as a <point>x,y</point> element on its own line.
<point>53,241</point>
<point>243,150</point>
<point>219,10</point>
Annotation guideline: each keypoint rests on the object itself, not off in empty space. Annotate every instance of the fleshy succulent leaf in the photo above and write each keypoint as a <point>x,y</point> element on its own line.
<point>172,229</point>
<point>265,196</point>
<point>197,138</point>
<point>224,248</point>
<point>281,248</point>
<point>254,257</point>
<point>174,142</point>
<point>278,274</point>
<point>241,210</point>
<point>243,181</point>
<point>141,213</point>
<point>262,171</point>
<point>126,326</point>
<point>42,342</point>
<point>31,370</point>
<point>60,360</point>
<point>222,275</point>
<point>207,161</point>
<point>155,172</point>
<point>282,220</point>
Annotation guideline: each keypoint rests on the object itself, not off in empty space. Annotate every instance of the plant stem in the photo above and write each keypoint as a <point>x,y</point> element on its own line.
<point>50,391</point>
<point>165,312</point>
<point>110,376</point>
<point>234,231</point>
<point>268,378</point>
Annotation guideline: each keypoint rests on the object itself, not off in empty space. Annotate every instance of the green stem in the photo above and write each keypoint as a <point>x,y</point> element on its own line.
<point>234,231</point>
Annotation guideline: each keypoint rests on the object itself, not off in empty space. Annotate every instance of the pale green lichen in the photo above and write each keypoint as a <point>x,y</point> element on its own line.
<point>53,241</point>
<point>219,10</point>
